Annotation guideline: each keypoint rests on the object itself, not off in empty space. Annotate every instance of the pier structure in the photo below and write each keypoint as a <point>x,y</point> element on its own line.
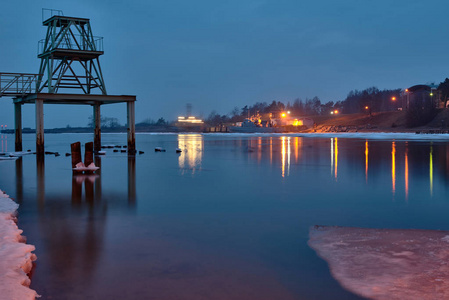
<point>69,60</point>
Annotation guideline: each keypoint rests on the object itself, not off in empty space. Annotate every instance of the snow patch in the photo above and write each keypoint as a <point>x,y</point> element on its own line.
<point>386,263</point>
<point>16,256</point>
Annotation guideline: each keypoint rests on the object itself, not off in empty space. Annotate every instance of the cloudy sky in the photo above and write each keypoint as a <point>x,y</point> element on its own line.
<point>221,54</point>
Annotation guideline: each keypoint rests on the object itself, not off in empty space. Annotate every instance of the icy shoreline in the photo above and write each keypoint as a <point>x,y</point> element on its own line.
<point>388,136</point>
<point>16,256</point>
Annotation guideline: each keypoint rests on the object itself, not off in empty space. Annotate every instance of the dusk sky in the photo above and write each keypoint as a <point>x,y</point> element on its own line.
<point>220,54</point>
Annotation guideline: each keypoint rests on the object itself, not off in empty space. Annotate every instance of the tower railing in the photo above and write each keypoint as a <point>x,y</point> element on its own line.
<point>75,42</point>
<point>17,84</point>
<point>48,13</point>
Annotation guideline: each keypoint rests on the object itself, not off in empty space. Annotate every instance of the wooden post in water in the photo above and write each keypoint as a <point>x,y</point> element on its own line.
<point>131,127</point>
<point>39,126</point>
<point>88,153</point>
<point>18,126</point>
<point>97,124</point>
<point>76,153</point>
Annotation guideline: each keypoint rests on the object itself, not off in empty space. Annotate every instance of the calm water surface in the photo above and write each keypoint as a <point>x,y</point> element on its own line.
<point>226,219</point>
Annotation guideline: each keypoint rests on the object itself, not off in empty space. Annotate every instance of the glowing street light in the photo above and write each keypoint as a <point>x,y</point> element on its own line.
<point>335,111</point>
<point>283,115</point>
<point>431,94</point>
<point>393,98</point>
<point>288,112</point>
<point>332,112</point>
<point>366,107</point>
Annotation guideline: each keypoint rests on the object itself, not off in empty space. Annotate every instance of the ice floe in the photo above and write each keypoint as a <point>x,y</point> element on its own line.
<point>386,263</point>
<point>16,257</point>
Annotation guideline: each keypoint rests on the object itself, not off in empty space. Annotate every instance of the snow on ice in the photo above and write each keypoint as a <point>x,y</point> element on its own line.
<point>16,257</point>
<point>386,263</point>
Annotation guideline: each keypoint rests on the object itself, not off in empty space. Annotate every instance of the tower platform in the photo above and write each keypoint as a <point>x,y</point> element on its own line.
<point>78,99</point>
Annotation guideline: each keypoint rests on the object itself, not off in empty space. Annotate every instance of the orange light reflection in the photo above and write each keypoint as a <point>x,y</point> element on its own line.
<point>393,166</point>
<point>366,161</point>
<point>406,173</point>
<point>431,171</point>
<point>283,156</point>
<point>336,157</point>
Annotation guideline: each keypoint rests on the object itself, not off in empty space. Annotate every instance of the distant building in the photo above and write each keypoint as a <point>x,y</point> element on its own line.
<point>189,121</point>
<point>423,95</point>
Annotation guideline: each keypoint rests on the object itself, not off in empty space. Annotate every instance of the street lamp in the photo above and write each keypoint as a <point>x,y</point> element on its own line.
<point>393,98</point>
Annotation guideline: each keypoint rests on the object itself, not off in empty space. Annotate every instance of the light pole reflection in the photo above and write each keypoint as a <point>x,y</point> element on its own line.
<point>286,154</point>
<point>393,166</point>
<point>431,170</point>
<point>283,156</point>
<point>334,157</point>
<point>406,172</point>
<point>366,161</point>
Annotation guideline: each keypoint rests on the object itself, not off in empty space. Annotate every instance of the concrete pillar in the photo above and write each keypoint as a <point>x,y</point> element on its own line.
<point>18,126</point>
<point>131,118</point>
<point>40,126</point>
<point>97,124</point>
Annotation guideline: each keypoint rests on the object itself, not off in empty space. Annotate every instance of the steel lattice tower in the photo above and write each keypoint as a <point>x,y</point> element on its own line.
<point>69,56</point>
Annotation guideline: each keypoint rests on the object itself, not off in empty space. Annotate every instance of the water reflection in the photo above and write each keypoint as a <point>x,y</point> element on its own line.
<point>19,179</point>
<point>192,151</point>
<point>91,192</point>
<point>298,148</point>
<point>71,225</point>
<point>132,179</point>
<point>406,171</point>
<point>167,241</point>
<point>40,178</point>
<point>334,157</point>
<point>370,156</point>
<point>393,167</point>
<point>4,139</point>
<point>285,152</point>
<point>431,170</point>
<point>366,161</point>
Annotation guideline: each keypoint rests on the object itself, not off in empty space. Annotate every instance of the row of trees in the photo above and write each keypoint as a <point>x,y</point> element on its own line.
<point>355,102</point>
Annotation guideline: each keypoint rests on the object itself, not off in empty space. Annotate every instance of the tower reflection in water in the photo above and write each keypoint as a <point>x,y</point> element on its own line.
<point>192,152</point>
<point>71,226</point>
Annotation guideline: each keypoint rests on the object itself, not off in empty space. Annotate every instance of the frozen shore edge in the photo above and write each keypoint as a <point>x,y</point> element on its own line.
<point>16,256</point>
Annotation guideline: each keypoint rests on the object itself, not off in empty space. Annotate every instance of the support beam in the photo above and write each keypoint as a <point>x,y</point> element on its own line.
<point>97,124</point>
<point>18,126</point>
<point>131,127</point>
<point>40,126</point>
